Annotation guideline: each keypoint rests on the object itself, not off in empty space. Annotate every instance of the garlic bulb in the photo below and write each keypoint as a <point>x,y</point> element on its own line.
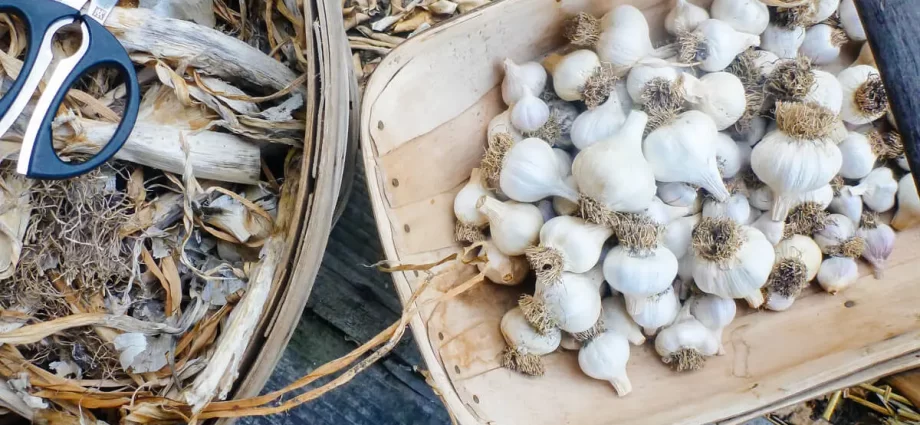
<point>469,219</point>
<point>736,208</point>
<point>530,172</point>
<point>797,262</point>
<point>858,157</point>
<point>824,9</point>
<point>848,202</point>
<point>654,312</point>
<point>598,124</point>
<point>502,124</point>
<point>748,16</point>
<point>567,244</point>
<point>765,60</point>
<point>677,194</point>
<point>823,196</point>
<point>529,113</point>
<point>782,41</point>
<point>571,72</point>
<point>825,91</point>
<point>614,173</point>
<point>864,97</point>
<point>849,20</point>
<point>822,43</point>
<point>563,162</point>
<point>796,157</point>
<point>526,345</point>
<point>879,239</point>
<point>685,344</point>
<point>639,266</point>
<point>908,214</point>
<point>772,230</point>
<point>605,358</point>
<point>730,155</point>
<point>761,198</point>
<point>616,319</point>
<point>684,16</point>
<point>662,213</point>
<point>596,275</point>
<point>714,313</point>
<point>677,234</point>
<point>731,260</point>
<point>625,40</point>
<point>719,95</point>
<point>714,45</point>
<point>804,249</point>
<point>528,76</point>
<point>514,226</point>
<point>500,268</point>
<point>837,273</point>
<point>684,151</point>
<point>640,75</point>
<point>837,230</point>
<point>571,303</point>
<point>879,189</point>
<point>562,206</point>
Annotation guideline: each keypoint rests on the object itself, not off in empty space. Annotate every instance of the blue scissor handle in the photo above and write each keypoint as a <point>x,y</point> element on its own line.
<point>104,52</point>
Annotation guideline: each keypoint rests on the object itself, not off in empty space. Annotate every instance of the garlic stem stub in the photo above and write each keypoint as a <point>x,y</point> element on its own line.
<point>526,345</point>
<point>500,268</point>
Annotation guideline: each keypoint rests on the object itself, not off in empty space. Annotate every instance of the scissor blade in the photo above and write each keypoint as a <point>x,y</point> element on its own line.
<point>100,9</point>
<point>76,4</point>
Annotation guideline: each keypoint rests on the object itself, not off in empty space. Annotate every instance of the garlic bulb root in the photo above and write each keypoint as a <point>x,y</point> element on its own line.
<point>582,30</point>
<point>791,79</point>
<point>806,218</point>
<point>864,96</point>
<point>491,165</point>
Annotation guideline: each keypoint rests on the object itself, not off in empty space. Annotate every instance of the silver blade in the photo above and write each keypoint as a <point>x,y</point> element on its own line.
<point>76,4</point>
<point>100,9</point>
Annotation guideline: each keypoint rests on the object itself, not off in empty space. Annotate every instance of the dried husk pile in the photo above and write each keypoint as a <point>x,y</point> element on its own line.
<point>129,295</point>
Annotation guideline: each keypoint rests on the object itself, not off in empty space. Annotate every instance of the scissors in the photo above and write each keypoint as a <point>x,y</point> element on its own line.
<point>99,49</point>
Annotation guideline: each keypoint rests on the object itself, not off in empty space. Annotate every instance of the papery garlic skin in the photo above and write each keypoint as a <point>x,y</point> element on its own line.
<point>713,312</point>
<point>465,208</point>
<point>640,275</point>
<point>684,151</point>
<point>677,194</point>
<point>849,20</point>
<point>908,214</point>
<point>654,312</point>
<point>528,76</point>
<point>598,124</point>
<point>851,80</point>
<point>857,155</point>
<point>514,226</point>
<point>500,268</point>
<point>724,43</point>
<point>848,203</point>
<point>529,113</point>
<point>749,16</point>
<point>879,189</point>
<point>826,91</point>
<point>719,95</point>
<point>563,206</point>
<point>625,40</point>
<point>741,276</point>
<point>879,244</point>
<point>676,236</point>
<point>736,208</point>
<point>616,319</point>
<point>578,242</point>
<point>684,16</point>
<point>572,72</point>
<point>837,274</point>
<point>605,358</point>
<point>784,42</point>
<point>530,172</point>
<point>573,302</point>
<point>820,45</point>
<point>772,230</point>
<point>640,75</point>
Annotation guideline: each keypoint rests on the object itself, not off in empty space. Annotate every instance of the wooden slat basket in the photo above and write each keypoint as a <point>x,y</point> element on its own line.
<point>423,129</point>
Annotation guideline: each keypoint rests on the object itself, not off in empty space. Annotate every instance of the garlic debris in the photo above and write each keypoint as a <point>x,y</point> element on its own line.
<point>864,97</point>
<point>526,345</point>
<point>639,266</point>
<point>625,40</point>
<point>685,344</point>
<point>616,319</point>
<point>500,268</point>
<point>528,76</point>
<point>731,260</point>
<point>798,259</point>
<point>857,155</point>
<point>849,20</point>
<point>719,95</point>
<point>748,16</point>
<point>605,358</point>
<point>908,214</point>
<point>529,113</point>
<point>796,157</point>
<point>684,150</point>
<point>514,226</point>
<point>879,239</point>
<point>567,244</point>
<point>714,313</point>
<point>654,312</point>
<point>822,43</point>
<point>530,172</point>
<point>571,303</point>
<point>470,220</point>
<point>714,45</point>
<point>783,41</point>
<point>879,189</point>
<point>684,16</point>
<point>598,124</point>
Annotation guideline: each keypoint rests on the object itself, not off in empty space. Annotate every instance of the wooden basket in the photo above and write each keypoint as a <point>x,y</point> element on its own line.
<point>423,129</point>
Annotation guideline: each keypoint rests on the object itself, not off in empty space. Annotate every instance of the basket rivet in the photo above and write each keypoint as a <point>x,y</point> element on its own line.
<point>475,399</point>
<point>849,304</point>
<point>380,125</point>
<point>395,182</point>
<point>406,228</point>
<point>440,336</point>
<point>457,369</point>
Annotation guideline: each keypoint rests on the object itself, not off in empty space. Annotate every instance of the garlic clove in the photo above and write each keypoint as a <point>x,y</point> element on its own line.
<point>530,171</point>
<point>571,73</point>
<point>749,16</point>
<point>685,344</point>
<point>529,113</point>
<point>849,20</point>
<point>783,42</point>
<point>880,189</point>
<point>864,97</point>
<point>825,91</point>
<point>858,157</point>
<point>714,45</point>
<point>525,344</point>
<point>605,358</point>
<point>597,124</point>
<point>684,16</point>
<point>822,43</point>
<point>500,268</point>
<point>677,194</point>
<point>837,273</point>
<point>514,226</point>
<point>879,239</point>
<point>731,260</point>
<point>617,319</point>
<point>736,208</point>
<point>908,214</point>
<point>529,76</point>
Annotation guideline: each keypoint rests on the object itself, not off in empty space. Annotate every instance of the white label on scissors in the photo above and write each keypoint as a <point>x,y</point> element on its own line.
<point>100,9</point>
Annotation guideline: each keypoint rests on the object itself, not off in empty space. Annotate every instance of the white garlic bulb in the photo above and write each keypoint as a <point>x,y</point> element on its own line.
<point>605,358</point>
<point>804,249</point>
<point>640,75</point>
<point>837,230</point>
<point>567,244</point>
<point>826,91</point>
<point>562,206</point>
<point>822,196</point>
<point>732,156</point>
<point>879,239</point>
<point>858,157</point>
<point>571,303</point>
<point>731,260</point>
<point>662,213</point>
<point>684,151</point>
<point>677,234</point>
<point>749,16</point>
<point>719,95</point>
<point>849,20</point>
<point>796,158</point>
<point>596,275</point>
<point>879,189</point>
<point>500,268</point>
<point>530,172</point>
<point>528,76</point>
<point>761,198</point>
<point>765,61</point>
<point>616,319</point>
<point>736,208</point>
<point>571,72</point>
<point>501,123</point>
<point>614,173</point>
<point>526,345</point>
<point>529,113</point>
<point>715,44</point>
<point>514,226</point>
<point>468,215</point>
<point>685,344</point>
<point>772,230</point>
<point>798,259</point>
<point>848,202</point>
<point>837,273</point>
<point>598,124</point>
<point>824,9</point>
<point>625,40</point>
<point>677,194</point>
<point>908,214</point>
<point>640,274</point>
<point>822,44</point>
<point>714,313</point>
<point>563,161</point>
<point>654,312</point>
<point>684,16</point>
<point>864,97</point>
<point>782,41</point>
